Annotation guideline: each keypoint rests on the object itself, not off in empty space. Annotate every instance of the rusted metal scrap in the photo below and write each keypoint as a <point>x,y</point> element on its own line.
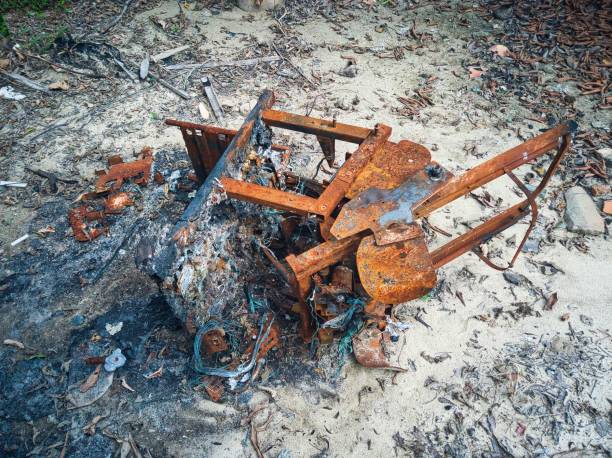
<point>87,223</point>
<point>368,215</point>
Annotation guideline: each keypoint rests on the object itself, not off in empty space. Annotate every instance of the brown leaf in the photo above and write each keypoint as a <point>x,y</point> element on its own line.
<point>4,64</point>
<point>551,301</point>
<point>565,317</point>
<point>156,374</point>
<point>607,207</point>
<point>91,380</point>
<point>500,50</point>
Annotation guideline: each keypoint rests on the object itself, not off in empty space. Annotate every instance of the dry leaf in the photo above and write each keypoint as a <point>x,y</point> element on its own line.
<point>156,374</point>
<point>500,50</point>
<point>4,64</point>
<point>125,385</point>
<point>565,317</point>
<point>474,72</point>
<point>59,85</point>
<point>91,380</point>
<point>551,301</point>
<point>607,207</point>
<point>14,343</point>
<point>45,231</point>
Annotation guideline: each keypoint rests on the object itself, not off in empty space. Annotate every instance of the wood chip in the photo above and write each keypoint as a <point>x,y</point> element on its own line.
<point>14,343</point>
<point>170,52</point>
<point>59,85</point>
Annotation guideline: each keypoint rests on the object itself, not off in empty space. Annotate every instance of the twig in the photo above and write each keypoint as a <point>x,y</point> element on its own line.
<point>62,66</point>
<point>114,22</point>
<point>51,177</point>
<point>226,63</point>
<point>170,52</point>
<point>298,69</point>
<point>27,82</point>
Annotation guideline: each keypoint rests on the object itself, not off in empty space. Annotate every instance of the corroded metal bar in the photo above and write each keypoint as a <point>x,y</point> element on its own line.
<point>270,197</point>
<point>315,126</point>
<point>492,169</point>
<point>478,235</point>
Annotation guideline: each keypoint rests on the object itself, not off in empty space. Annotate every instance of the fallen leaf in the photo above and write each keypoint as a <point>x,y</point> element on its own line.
<point>14,343</point>
<point>520,429</point>
<point>156,374</point>
<point>500,50</point>
<point>78,399</point>
<point>91,380</point>
<point>475,73</point>
<point>551,301</point>
<point>125,385</point>
<point>45,231</point>
<point>59,85</point>
<point>607,207</point>
<point>565,317</point>
<point>4,64</point>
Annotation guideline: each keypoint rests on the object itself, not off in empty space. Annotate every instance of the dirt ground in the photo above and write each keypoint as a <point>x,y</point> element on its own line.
<point>496,366</point>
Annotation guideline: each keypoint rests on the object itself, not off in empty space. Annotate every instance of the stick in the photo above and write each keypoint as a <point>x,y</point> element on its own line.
<point>27,82</point>
<point>51,177</point>
<point>62,66</point>
<point>298,69</point>
<point>114,22</point>
<point>167,85</point>
<point>168,53</point>
<point>226,63</point>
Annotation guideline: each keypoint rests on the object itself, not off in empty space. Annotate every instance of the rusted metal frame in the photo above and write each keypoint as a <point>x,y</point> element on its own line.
<point>331,196</point>
<point>491,169</point>
<point>322,256</point>
<point>315,126</point>
<point>264,195</point>
<point>466,242</point>
<point>343,179</point>
<point>237,147</point>
<point>328,146</point>
<point>194,154</point>
<point>499,223</point>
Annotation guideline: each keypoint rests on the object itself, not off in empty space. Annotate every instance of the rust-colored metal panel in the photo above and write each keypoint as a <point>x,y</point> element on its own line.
<point>315,126</point>
<point>391,167</point>
<point>395,273</point>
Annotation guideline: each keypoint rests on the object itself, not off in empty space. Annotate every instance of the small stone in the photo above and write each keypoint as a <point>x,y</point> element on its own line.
<point>606,153</point>
<point>204,111</point>
<point>341,103</point>
<point>581,213</point>
<point>350,71</point>
<point>514,278</point>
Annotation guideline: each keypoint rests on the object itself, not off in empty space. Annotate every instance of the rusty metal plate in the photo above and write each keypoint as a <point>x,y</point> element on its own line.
<point>391,167</point>
<point>378,209</point>
<point>368,346</point>
<point>395,273</point>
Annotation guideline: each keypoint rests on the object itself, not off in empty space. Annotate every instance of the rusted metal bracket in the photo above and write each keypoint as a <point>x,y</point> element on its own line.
<point>369,210</point>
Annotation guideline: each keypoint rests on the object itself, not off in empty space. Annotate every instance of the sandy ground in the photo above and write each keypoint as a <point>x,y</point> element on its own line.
<point>369,412</point>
